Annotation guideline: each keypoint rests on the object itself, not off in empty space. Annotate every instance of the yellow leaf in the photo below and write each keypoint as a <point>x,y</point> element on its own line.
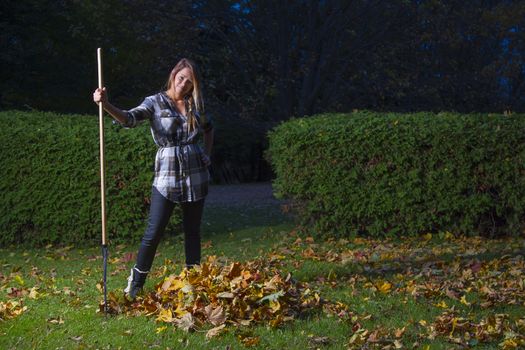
<point>442,304</point>
<point>19,280</point>
<point>275,305</point>
<point>454,323</point>
<point>165,315</point>
<point>508,344</point>
<point>33,293</point>
<point>172,283</point>
<point>161,329</point>
<point>180,310</point>
<point>464,301</point>
<point>114,260</point>
<point>385,287</point>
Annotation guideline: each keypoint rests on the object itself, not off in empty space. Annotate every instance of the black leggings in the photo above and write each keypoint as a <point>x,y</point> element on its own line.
<point>159,216</point>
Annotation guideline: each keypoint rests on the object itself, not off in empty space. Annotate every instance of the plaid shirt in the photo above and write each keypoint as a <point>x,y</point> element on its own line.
<point>180,173</point>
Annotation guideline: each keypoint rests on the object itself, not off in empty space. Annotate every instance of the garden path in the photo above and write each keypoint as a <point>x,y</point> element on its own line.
<point>254,194</point>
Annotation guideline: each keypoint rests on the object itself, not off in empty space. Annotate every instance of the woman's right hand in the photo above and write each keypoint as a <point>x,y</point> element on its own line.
<point>100,95</point>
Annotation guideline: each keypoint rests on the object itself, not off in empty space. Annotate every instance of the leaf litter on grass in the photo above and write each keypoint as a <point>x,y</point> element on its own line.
<point>463,277</point>
<point>475,287</point>
<point>459,276</point>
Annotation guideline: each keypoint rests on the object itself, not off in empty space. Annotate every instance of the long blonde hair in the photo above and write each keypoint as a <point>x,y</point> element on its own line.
<point>194,101</point>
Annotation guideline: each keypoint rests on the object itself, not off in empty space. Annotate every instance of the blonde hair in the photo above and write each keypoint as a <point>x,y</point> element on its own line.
<point>194,101</point>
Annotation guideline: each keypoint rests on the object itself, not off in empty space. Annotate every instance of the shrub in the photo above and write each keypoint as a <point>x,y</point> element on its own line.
<point>50,179</point>
<point>395,174</point>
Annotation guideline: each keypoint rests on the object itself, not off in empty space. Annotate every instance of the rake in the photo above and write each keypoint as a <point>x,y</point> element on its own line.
<point>102,182</point>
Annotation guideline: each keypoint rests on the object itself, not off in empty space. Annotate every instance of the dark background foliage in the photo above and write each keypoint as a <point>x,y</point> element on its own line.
<point>266,61</point>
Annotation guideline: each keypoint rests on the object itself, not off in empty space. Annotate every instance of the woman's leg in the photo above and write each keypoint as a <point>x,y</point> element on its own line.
<point>191,221</point>
<point>159,216</point>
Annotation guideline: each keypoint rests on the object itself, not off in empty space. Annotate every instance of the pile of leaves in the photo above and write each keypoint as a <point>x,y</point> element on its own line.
<point>216,294</point>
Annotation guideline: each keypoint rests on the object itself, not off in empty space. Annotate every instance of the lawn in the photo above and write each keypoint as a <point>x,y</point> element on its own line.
<point>431,292</point>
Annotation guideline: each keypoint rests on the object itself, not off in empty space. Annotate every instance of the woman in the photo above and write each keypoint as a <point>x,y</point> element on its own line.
<point>181,166</point>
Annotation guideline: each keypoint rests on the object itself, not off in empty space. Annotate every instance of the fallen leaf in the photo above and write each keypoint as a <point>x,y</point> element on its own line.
<point>165,315</point>
<point>464,301</point>
<point>215,331</point>
<point>55,320</point>
<point>385,287</point>
<point>216,316</point>
<point>316,341</point>
<point>399,332</point>
<point>161,329</point>
<point>186,322</point>
<point>227,295</point>
<point>33,293</point>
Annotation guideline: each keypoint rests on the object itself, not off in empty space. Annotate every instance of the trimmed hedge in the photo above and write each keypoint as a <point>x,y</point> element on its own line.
<point>403,174</point>
<point>50,181</point>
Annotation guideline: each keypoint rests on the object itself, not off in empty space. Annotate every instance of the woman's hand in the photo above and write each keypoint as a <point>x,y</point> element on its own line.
<point>100,95</point>
<point>206,159</point>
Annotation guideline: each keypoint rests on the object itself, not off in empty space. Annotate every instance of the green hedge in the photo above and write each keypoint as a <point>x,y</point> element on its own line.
<point>403,174</point>
<point>50,181</point>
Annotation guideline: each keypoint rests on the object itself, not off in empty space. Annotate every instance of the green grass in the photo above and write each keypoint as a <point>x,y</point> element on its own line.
<point>64,315</point>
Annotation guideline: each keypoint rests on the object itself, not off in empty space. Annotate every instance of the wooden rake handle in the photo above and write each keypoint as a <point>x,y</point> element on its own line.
<point>102,162</point>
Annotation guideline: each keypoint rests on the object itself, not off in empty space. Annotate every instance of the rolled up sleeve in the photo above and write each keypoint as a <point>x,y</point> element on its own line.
<point>140,113</point>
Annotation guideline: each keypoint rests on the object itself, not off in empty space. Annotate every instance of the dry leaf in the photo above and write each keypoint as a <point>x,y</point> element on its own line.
<point>186,322</point>
<point>215,331</point>
<point>55,320</point>
<point>216,316</point>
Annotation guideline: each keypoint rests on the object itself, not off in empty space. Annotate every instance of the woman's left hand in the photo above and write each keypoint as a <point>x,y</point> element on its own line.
<point>206,159</point>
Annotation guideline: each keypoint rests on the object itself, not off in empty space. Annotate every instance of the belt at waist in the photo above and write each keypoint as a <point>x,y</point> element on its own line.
<point>179,144</point>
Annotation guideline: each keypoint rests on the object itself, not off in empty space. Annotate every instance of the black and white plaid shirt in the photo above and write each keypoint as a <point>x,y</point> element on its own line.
<point>180,173</point>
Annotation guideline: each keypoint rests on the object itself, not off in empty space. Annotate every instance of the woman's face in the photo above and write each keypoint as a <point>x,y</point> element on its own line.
<point>183,83</point>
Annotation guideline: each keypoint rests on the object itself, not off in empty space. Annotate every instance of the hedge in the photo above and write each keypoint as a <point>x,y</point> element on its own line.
<point>403,174</point>
<point>50,179</point>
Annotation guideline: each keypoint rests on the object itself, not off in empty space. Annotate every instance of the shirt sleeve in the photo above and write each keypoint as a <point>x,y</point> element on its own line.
<point>140,113</point>
<point>206,122</point>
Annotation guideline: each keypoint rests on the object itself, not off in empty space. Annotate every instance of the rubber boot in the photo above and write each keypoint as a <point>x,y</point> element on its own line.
<point>136,281</point>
